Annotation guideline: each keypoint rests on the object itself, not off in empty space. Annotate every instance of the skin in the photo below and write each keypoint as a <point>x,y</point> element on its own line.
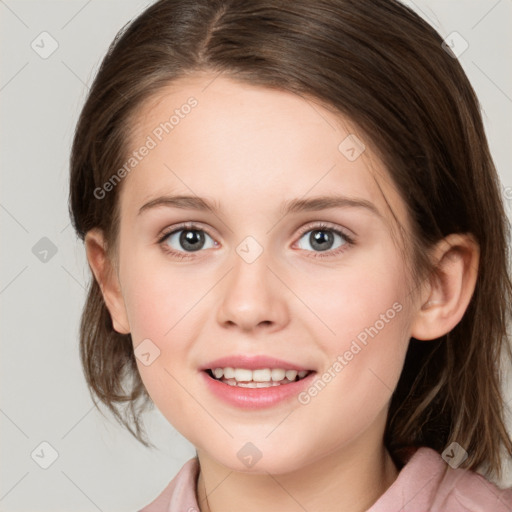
<point>248,149</point>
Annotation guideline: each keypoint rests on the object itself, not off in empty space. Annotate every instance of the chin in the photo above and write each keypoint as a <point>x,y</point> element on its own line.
<point>251,459</point>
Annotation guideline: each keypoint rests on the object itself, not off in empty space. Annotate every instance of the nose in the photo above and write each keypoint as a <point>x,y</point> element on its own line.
<point>253,297</point>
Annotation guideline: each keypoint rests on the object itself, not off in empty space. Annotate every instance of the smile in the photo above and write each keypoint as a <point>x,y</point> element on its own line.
<point>257,378</point>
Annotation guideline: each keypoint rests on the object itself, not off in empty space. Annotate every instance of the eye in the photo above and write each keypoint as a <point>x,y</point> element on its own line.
<point>324,238</point>
<point>186,239</point>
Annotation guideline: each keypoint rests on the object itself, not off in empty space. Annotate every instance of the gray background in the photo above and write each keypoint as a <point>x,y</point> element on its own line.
<point>43,396</point>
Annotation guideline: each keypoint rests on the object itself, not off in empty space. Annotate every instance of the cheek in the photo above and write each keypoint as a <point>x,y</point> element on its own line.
<point>159,304</point>
<point>365,328</point>
<point>352,300</point>
<point>154,298</point>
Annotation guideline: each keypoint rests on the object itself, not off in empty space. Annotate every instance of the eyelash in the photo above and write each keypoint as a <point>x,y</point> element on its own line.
<point>190,226</point>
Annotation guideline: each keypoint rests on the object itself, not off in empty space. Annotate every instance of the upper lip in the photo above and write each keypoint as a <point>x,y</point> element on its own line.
<point>252,363</point>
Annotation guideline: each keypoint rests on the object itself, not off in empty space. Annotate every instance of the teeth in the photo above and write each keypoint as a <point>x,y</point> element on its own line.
<point>257,384</point>
<point>243,375</point>
<point>278,374</point>
<point>262,377</point>
<point>229,373</point>
<point>233,382</point>
<point>291,374</point>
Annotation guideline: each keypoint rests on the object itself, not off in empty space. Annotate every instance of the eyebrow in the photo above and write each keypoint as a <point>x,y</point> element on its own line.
<point>293,206</point>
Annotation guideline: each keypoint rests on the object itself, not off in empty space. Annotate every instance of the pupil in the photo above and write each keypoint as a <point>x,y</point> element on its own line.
<point>192,240</point>
<point>321,240</point>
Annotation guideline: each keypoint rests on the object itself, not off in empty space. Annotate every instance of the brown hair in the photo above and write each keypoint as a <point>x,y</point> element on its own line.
<point>382,66</point>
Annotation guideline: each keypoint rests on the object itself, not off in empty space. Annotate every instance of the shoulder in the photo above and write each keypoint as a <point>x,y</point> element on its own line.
<point>428,483</point>
<point>470,490</point>
<point>180,493</point>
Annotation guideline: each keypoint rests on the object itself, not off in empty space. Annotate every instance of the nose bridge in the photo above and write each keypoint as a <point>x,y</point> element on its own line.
<point>250,266</point>
<point>252,294</point>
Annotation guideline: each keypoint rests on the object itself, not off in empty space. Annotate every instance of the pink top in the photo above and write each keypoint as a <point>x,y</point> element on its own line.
<point>425,484</point>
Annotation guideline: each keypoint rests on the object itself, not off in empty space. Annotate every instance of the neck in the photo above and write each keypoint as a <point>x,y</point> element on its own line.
<point>350,479</point>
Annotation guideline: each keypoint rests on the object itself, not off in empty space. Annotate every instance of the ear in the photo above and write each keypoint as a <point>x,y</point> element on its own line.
<point>444,298</point>
<point>107,278</point>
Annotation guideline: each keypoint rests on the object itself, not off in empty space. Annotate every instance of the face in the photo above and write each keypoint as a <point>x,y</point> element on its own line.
<point>267,279</point>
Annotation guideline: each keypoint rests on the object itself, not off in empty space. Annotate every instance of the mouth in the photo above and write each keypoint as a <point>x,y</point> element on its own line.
<point>257,378</point>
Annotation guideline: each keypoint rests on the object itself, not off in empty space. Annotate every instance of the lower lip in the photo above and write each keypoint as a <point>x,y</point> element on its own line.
<point>255,398</point>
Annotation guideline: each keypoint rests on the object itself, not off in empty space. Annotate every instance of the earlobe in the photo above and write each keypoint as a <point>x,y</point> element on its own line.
<point>107,279</point>
<point>448,292</point>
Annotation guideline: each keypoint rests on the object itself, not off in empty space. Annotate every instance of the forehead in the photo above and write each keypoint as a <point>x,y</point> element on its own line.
<point>249,146</point>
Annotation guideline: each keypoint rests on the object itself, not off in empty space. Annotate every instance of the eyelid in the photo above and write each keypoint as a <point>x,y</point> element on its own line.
<point>319,225</point>
<point>192,225</point>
